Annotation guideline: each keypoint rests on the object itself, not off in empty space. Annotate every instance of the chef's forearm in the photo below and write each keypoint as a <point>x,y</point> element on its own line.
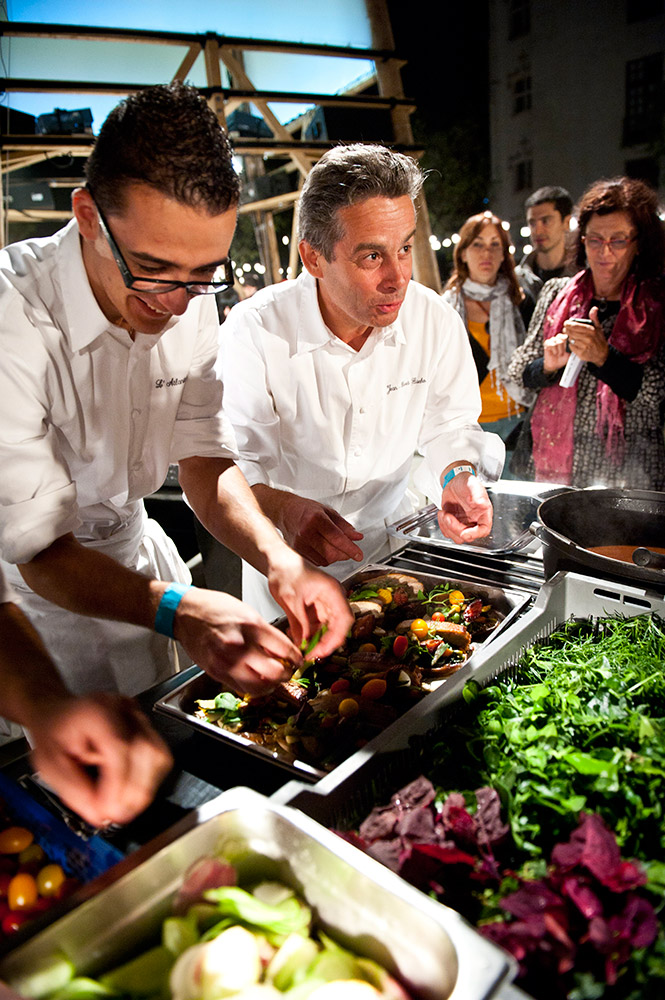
<point>27,674</point>
<point>224,503</point>
<point>88,582</point>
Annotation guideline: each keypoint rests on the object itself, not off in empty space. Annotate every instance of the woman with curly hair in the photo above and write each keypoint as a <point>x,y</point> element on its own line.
<point>607,427</point>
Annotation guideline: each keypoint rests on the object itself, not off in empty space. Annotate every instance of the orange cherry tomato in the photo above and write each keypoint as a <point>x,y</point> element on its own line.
<point>419,628</point>
<point>49,880</point>
<point>438,616</point>
<point>348,708</point>
<point>15,839</point>
<point>373,689</point>
<point>456,597</point>
<point>22,892</point>
<point>400,646</point>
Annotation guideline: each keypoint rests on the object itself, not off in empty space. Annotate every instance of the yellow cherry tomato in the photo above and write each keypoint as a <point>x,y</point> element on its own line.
<point>22,892</point>
<point>348,708</point>
<point>385,595</point>
<point>33,852</point>
<point>373,689</point>
<point>455,609</point>
<point>15,839</point>
<point>456,597</point>
<point>419,628</point>
<point>367,647</point>
<point>49,879</point>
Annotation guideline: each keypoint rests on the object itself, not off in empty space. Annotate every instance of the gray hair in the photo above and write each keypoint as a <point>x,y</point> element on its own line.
<point>345,176</point>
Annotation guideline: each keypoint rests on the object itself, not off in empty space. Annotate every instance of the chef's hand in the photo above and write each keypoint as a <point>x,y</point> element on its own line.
<point>310,599</point>
<point>100,755</point>
<point>466,510</point>
<point>587,342</point>
<point>232,642</point>
<point>316,532</point>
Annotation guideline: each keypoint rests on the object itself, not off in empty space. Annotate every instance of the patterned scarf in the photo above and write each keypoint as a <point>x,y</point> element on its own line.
<point>506,331</point>
<point>636,333</point>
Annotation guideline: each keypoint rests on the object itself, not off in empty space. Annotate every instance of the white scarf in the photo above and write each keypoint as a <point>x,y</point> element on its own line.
<point>506,331</point>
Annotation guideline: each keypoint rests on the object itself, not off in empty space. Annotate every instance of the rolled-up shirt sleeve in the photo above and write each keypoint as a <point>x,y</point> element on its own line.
<point>248,400</point>
<point>201,426</point>
<point>450,430</point>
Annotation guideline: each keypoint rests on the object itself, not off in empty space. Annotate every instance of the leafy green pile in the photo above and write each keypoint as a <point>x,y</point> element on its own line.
<point>571,742</point>
<point>580,725</point>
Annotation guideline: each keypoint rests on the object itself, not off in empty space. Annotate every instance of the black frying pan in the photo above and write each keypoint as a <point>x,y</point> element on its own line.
<point>572,521</point>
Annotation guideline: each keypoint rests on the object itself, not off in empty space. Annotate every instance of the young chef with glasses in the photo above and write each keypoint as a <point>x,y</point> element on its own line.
<point>110,335</point>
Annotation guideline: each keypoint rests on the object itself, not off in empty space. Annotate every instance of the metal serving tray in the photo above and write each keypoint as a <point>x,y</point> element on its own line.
<point>180,703</point>
<point>356,900</point>
<point>345,796</point>
<point>515,505</point>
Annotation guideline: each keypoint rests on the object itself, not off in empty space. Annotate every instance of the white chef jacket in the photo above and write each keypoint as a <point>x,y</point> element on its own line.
<point>317,418</point>
<point>89,422</point>
<point>6,593</point>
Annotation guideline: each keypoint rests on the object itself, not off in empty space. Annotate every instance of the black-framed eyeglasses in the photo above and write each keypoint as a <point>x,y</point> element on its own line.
<point>222,277</point>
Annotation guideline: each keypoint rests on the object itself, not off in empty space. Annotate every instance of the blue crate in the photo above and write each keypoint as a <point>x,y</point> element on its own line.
<point>82,859</point>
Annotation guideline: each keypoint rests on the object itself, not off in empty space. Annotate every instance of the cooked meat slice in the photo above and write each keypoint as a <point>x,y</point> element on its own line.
<point>367,606</point>
<point>363,626</point>
<point>411,584</point>
<point>290,692</point>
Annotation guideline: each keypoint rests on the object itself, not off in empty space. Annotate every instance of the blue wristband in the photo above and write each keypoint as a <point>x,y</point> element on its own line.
<point>171,598</point>
<point>455,472</point>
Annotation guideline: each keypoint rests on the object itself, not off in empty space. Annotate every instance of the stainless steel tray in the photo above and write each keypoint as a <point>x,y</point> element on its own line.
<point>359,902</point>
<point>181,702</point>
<point>343,797</point>
<point>515,505</point>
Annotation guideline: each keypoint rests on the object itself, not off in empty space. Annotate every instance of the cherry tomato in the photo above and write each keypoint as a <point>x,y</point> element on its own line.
<point>456,597</point>
<point>367,647</point>
<point>49,880</point>
<point>432,644</point>
<point>400,646</point>
<point>348,708</point>
<point>341,684</point>
<point>15,839</point>
<point>33,852</point>
<point>12,921</point>
<point>438,616</point>
<point>419,628</point>
<point>373,689</point>
<point>385,595</point>
<point>22,892</point>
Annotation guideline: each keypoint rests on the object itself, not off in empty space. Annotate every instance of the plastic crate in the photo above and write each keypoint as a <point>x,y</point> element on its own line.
<point>343,798</point>
<point>83,859</point>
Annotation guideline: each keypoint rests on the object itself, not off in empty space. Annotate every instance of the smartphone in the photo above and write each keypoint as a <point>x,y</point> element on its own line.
<point>586,322</point>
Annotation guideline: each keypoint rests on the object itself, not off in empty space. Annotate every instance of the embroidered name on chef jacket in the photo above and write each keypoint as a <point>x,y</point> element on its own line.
<point>161,382</point>
<point>413,381</point>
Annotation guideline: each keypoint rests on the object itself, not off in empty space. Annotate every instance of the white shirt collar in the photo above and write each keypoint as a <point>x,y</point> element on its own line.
<point>85,320</point>
<point>313,333</point>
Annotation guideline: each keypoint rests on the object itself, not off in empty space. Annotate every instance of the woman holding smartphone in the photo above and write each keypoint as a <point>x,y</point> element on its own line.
<point>606,426</point>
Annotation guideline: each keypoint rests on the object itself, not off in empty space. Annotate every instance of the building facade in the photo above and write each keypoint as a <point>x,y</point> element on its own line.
<point>576,93</point>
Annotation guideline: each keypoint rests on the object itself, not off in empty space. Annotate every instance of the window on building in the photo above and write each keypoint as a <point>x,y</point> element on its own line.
<point>521,94</point>
<point>519,18</point>
<point>641,10</point>
<point>644,99</point>
<point>646,168</point>
<point>523,176</point>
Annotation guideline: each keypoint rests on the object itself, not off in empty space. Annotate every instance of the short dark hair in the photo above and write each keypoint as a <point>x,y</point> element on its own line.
<point>167,137</point>
<point>624,194</point>
<point>563,203</point>
<point>345,176</point>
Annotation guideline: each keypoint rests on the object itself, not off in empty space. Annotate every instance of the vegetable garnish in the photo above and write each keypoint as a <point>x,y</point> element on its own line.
<point>572,746</point>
